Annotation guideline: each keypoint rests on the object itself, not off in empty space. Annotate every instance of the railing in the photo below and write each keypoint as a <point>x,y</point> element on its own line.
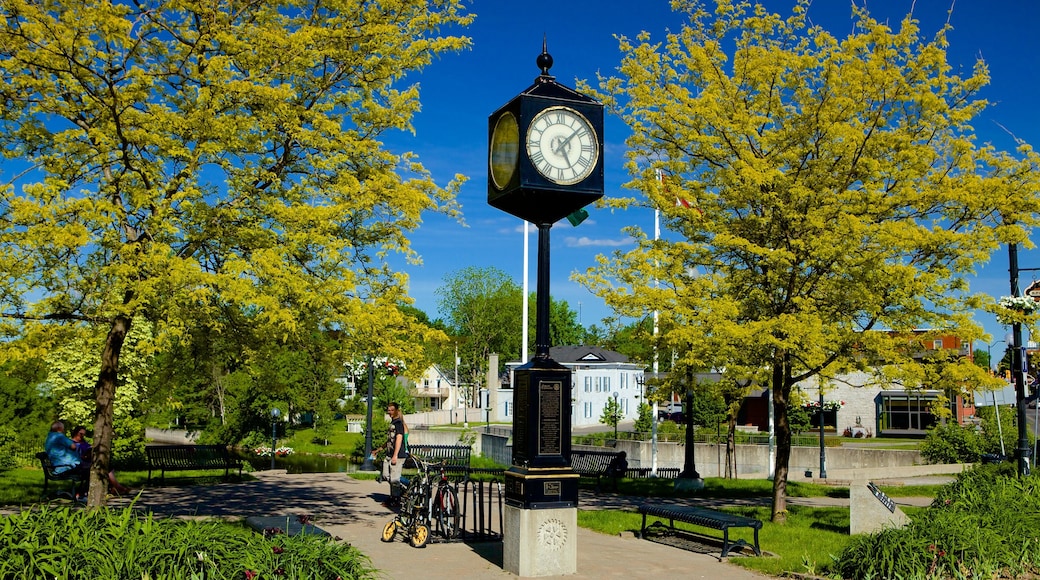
<point>25,453</point>
<point>710,438</point>
<point>482,504</point>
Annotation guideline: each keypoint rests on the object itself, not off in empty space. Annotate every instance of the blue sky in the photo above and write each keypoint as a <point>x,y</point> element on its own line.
<point>459,91</point>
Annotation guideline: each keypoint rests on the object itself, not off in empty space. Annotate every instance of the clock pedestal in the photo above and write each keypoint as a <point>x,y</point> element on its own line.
<point>540,542</point>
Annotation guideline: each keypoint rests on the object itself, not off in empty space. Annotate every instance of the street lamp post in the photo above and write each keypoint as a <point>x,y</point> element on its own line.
<point>989,354</point>
<point>823,451</point>
<point>274,433</point>
<point>368,464</point>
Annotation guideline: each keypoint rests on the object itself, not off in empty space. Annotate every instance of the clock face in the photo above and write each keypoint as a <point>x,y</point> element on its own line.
<point>505,150</point>
<point>562,145</point>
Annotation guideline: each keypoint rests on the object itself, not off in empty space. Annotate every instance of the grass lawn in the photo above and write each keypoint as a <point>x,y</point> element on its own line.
<point>23,486</point>
<point>717,487</point>
<point>801,545</point>
<point>807,541</point>
<point>304,440</point>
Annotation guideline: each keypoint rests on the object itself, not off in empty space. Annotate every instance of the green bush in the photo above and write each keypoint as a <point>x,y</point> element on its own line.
<point>981,526</point>
<point>952,443</point>
<point>7,452</point>
<point>77,544</point>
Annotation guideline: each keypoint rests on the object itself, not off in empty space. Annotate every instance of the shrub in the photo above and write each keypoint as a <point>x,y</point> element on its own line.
<point>983,525</point>
<point>7,451</point>
<point>119,544</point>
<point>952,443</point>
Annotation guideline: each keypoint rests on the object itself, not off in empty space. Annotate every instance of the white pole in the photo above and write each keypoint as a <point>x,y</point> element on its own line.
<point>772,436</point>
<point>653,429</point>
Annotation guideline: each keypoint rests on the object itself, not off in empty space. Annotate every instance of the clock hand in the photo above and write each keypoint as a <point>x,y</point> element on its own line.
<point>559,148</point>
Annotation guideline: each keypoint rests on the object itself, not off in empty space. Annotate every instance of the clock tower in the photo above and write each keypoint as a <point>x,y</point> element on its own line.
<point>545,161</point>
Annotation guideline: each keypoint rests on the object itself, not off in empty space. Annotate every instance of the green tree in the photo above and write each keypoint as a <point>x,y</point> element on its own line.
<point>834,199</point>
<point>73,370</point>
<point>26,401</point>
<point>612,413</point>
<point>482,308</point>
<point>176,158</point>
<point>645,419</point>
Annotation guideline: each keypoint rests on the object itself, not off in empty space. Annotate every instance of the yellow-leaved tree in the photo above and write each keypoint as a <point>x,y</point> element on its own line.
<point>822,197</point>
<point>167,159</point>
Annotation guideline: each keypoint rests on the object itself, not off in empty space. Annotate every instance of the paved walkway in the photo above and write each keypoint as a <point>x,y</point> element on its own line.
<point>350,510</point>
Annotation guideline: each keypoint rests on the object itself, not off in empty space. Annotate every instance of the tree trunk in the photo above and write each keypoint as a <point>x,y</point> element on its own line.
<point>731,447</point>
<point>690,454</point>
<point>104,396</point>
<point>781,389</point>
<point>783,451</point>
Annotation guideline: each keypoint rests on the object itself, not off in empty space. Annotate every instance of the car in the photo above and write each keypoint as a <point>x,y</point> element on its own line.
<point>664,415</point>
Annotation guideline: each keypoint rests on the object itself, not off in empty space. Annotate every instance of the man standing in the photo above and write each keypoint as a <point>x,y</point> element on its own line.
<point>395,453</point>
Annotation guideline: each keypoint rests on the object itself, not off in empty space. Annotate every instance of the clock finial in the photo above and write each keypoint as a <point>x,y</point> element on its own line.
<point>545,60</point>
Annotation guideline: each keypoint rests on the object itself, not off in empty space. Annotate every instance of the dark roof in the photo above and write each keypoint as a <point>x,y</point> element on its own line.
<point>585,354</point>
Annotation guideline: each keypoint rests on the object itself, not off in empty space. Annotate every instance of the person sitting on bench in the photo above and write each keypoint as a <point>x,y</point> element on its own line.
<point>79,435</point>
<point>64,456</point>
<point>617,468</point>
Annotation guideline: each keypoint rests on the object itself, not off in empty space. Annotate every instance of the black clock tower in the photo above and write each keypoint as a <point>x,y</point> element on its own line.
<point>545,161</point>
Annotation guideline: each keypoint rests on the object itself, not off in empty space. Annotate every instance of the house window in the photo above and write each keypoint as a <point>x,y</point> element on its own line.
<point>906,412</point>
<point>937,344</point>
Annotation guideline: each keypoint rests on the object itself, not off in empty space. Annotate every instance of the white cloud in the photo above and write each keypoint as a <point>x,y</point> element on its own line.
<point>586,242</point>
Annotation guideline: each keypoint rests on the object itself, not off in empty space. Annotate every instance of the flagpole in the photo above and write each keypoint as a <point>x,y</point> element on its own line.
<point>653,428</point>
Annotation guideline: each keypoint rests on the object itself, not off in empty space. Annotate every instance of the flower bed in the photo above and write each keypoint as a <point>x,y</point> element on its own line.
<point>280,452</point>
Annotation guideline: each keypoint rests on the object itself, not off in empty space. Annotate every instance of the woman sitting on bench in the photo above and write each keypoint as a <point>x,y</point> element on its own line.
<point>79,435</point>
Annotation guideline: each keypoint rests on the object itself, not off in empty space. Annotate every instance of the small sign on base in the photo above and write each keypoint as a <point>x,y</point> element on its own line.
<point>870,510</point>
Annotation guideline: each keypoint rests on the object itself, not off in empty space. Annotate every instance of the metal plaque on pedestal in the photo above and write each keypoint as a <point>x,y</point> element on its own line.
<point>541,476</point>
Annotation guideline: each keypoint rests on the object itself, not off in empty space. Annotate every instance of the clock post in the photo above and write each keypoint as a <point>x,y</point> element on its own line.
<point>545,162</point>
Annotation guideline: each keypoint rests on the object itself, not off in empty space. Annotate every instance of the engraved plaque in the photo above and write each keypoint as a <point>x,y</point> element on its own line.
<point>550,418</point>
<point>552,488</point>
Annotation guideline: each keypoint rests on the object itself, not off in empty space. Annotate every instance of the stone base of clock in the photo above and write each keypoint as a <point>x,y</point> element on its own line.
<point>540,542</point>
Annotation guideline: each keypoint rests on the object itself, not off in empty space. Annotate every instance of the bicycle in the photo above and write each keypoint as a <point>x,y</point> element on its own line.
<point>444,509</point>
<point>421,506</point>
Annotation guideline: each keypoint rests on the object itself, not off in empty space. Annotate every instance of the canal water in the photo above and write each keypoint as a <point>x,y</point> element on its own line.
<point>302,463</point>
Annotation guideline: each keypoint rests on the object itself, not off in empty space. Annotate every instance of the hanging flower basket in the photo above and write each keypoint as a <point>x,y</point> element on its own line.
<point>1017,309</point>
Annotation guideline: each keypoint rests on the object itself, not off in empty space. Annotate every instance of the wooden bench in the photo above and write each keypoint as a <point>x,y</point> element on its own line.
<point>456,457</point>
<point>592,464</point>
<point>75,477</point>
<point>705,517</point>
<point>163,458</point>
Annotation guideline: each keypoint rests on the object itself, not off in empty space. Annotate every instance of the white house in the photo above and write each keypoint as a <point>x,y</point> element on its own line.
<point>597,375</point>
<point>435,390</point>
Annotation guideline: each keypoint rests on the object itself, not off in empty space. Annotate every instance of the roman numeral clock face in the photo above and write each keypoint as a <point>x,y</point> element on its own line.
<point>562,145</point>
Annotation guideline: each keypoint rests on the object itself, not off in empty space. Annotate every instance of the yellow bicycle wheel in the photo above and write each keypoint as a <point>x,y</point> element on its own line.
<point>420,535</point>
<point>389,531</point>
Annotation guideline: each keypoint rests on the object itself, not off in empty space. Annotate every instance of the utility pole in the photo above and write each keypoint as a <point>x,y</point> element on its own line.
<point>1018,369</point>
